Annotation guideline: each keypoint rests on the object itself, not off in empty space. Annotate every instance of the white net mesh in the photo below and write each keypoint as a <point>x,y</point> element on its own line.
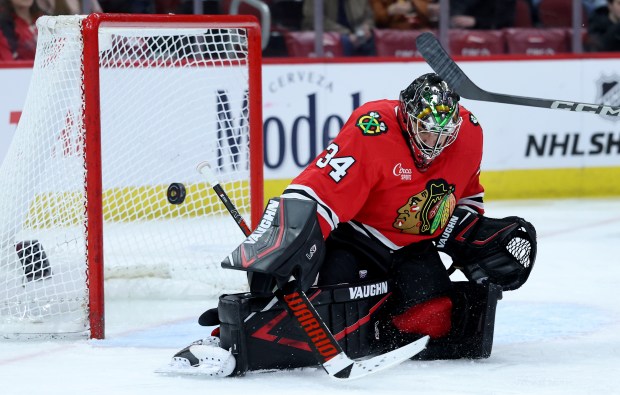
<point>170,98</point>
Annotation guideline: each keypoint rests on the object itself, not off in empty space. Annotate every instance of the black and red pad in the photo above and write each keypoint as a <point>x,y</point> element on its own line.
<point>262,335</point>
<point>286,242</point>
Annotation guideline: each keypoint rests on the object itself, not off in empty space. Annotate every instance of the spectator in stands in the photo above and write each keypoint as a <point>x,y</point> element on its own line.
<point>5,52</point>
<point>604,29</point>
<point>482,14</point>
<point>353,19</point>
<point>17,24</point>
<point>464,14</point>
<point>591,7</point>
<point>146,6</point>
<point>132,7</point>
<point>67,7</point>
<point>405,14</point>
<point>594,6</point>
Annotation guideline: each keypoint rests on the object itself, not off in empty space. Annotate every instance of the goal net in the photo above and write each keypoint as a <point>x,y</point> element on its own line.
<point>119,108</point>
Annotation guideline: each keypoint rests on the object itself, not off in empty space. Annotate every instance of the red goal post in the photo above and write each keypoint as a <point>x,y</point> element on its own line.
<point>119,107</point>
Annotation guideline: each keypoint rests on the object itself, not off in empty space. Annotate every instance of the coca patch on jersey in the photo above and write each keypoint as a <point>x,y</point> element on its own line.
<point>371,124</point>
<point>404,173</point>
<point>427,210</point>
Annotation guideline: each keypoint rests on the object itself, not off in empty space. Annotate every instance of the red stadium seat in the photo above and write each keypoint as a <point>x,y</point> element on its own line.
<point>477,42</point>
<point>536,41</point>
<point>523,14</point>
<point>393,42</point>
<point>166,6</point>
<point>301,44</point>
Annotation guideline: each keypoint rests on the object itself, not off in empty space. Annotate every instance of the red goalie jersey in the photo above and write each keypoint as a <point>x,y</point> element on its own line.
<point>367,177</point>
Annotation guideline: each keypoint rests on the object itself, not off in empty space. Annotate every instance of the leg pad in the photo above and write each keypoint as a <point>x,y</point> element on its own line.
<point>473,323</point>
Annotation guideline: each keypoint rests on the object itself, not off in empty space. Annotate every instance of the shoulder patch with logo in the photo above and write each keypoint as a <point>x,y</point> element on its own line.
<point>473,119</point>
<point>371,124</point>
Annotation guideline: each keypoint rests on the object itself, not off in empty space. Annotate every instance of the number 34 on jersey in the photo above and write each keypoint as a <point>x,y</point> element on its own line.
<point>339,164</point>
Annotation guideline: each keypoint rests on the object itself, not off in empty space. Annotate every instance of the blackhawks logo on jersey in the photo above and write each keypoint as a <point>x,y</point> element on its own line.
<point>428,210</point>
<point>371,124</point>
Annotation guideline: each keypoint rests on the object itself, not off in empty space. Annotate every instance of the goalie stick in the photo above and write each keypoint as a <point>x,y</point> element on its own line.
<point>322,342</point>
<point>205,169</point>
<point>439,60</point>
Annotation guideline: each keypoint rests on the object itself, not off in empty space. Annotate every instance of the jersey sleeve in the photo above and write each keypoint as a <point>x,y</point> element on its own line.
<point>340,178</point>
<point>473,193</point>
<point>5,51</point>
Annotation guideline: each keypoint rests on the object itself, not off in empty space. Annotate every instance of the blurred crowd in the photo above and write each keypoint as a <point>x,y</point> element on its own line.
<point>18,32</point>
<point>354,23</point>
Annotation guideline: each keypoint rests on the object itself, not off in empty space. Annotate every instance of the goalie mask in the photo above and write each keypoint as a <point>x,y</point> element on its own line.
<point>429,112</point>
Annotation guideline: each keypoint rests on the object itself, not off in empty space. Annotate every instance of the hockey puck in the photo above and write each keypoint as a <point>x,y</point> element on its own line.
<point>176,193</point>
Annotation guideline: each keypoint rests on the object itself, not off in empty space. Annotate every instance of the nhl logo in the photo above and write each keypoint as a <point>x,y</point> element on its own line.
<point>608,93</point>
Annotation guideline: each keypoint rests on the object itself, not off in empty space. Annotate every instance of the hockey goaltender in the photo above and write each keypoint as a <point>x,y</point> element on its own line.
<point>345,266</point>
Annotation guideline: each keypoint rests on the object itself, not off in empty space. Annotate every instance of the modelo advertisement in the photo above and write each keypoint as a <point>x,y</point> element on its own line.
<point>305,104</point>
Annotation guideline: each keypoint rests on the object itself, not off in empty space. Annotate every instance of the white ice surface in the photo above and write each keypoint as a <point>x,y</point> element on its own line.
<point>558,334</point>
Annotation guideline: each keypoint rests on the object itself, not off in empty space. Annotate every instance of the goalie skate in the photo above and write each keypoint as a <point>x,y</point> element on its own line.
<point>201,358</point>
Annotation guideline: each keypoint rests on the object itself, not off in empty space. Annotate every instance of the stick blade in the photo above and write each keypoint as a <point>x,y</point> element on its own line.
<point>439,60</point>
<point>361,368</point>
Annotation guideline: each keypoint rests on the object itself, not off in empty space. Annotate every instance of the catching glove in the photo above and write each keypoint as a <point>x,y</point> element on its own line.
<point>499,251</point>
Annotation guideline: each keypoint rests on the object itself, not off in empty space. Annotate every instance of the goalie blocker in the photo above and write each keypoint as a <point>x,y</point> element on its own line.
<point>286,243</point>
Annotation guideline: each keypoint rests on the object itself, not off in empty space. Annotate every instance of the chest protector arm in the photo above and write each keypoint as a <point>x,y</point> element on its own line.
<point>489,250</point>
